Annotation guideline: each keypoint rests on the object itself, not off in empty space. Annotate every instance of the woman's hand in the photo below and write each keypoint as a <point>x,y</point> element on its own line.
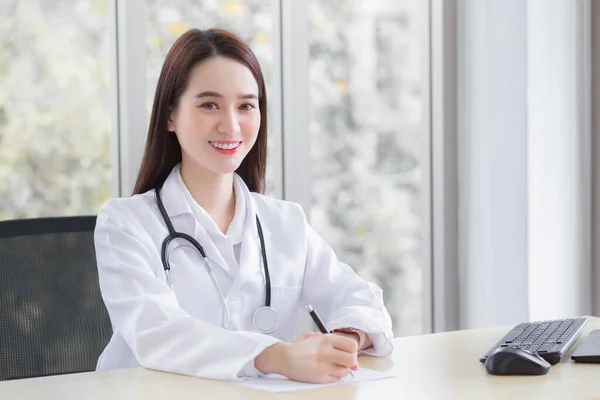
<point>313,357</point>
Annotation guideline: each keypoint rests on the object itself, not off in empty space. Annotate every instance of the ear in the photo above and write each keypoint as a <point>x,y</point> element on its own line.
<point>170,121</point>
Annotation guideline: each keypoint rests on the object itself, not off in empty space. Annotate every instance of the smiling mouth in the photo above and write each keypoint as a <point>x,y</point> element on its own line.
<point>225,145</point>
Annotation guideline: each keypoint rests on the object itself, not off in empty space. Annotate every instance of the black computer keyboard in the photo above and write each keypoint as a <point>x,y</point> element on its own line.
<point>549,339</point>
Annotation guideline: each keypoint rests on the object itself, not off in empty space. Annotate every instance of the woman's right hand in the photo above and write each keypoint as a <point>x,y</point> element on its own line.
<point>313,357</point>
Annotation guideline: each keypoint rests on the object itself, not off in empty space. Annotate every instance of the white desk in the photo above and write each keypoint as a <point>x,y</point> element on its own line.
<point>438,366</point>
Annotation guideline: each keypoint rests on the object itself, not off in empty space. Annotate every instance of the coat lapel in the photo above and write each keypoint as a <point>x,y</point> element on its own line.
<point>251,262</point>
<point>185,219</point>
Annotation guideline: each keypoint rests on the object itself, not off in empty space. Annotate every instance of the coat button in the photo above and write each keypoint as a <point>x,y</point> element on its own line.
<point>233,295</point>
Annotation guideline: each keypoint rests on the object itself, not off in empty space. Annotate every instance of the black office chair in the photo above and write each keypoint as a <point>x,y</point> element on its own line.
<point>52,317</point>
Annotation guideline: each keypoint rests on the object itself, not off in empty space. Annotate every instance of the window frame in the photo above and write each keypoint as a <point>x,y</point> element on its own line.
<point>290,146</point>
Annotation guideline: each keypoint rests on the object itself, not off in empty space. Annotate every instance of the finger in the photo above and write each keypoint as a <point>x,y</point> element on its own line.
<point>338,371</point>
<point>328,372</point>
<point>344,343</point>
<point>329,379</point>
<point>342,358</point>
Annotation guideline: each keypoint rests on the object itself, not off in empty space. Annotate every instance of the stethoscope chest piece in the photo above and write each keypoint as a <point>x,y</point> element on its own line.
<point>265,320</point>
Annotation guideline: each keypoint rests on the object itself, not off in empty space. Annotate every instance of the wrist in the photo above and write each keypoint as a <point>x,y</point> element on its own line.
<point>272,359</point>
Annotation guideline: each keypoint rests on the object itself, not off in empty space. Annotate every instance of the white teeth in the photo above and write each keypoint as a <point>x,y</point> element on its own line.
<point>225,146</point>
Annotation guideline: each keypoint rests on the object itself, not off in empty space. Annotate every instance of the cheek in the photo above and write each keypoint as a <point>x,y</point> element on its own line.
<point>250,126</point>
<point>194,125</point>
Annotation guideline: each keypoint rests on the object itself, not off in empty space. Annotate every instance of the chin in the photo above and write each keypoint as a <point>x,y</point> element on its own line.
<point>225,170</point>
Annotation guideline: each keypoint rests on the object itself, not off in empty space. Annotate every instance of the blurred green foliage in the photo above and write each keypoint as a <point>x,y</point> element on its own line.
<point>54,111</point>
<point>366,142</point>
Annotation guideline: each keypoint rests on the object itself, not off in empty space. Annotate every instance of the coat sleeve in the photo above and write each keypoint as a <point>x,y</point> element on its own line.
<point>144,310</point>
<point>342,298</point>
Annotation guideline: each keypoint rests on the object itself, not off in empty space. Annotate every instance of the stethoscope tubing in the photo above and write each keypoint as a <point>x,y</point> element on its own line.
<point>184,236</point>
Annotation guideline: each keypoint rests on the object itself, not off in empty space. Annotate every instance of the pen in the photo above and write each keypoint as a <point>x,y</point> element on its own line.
<point>315,317</point>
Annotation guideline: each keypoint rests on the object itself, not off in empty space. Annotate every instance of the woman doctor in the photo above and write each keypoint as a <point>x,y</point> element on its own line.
<point>201,274</point>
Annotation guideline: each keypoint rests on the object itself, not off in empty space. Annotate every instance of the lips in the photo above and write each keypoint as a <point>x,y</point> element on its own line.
<point>226,147</point>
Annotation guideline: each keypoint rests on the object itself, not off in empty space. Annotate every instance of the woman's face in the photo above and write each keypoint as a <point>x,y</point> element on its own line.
<point>217,118</point>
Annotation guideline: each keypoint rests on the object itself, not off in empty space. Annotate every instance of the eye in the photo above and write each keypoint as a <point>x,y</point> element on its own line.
<point>247,107</point>
<point>209,105</point>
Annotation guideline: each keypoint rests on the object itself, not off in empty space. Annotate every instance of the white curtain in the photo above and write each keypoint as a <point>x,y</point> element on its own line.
<point>524,155</point>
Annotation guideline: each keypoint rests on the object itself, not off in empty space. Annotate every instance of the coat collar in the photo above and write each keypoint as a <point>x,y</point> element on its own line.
<point>173,197</point>
<point>188,217</point>
<point>251,260</point>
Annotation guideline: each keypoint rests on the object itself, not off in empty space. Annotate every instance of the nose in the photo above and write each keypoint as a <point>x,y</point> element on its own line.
<point>229,123</point>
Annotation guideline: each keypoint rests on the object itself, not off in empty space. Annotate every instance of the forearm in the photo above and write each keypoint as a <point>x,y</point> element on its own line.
<point>175,347</point>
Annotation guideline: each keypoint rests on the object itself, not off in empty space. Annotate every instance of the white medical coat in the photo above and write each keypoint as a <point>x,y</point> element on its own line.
<point>181,331</point>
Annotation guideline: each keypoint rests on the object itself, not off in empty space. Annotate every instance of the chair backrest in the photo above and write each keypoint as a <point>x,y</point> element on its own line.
<point>52,317</point>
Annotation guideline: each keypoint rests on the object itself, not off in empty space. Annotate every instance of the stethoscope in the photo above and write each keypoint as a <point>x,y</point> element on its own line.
<point>264,318</point>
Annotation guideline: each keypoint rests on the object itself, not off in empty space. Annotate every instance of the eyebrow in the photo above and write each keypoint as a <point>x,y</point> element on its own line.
<point>215,94</point>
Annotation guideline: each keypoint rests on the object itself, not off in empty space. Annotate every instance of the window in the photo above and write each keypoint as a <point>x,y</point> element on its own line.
<point>365,127</point>
<point>54,108</point>
<point>365,117</point>
<point>252,20</point>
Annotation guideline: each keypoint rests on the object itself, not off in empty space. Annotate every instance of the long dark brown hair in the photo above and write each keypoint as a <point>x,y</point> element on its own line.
<point>163,150</point>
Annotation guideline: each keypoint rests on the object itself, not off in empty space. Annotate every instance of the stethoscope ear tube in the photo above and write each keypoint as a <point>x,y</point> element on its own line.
<point>265,264</point>
<point>163,212</point>
<point>163,253</point>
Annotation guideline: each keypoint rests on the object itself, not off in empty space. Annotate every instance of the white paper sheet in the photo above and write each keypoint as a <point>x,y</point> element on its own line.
<point>276,383</point>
